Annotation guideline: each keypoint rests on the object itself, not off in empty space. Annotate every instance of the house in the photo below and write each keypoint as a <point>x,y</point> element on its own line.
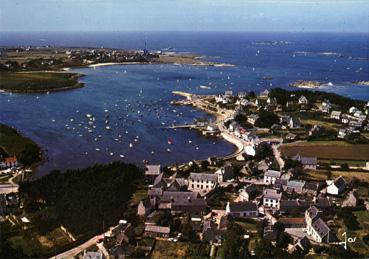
<point>284,119</point>
<point>224,173</point>
<point>260,102</point>
<point>178,202</point>
<point>337,186</point>
<point>152,171</point>
<point>246,193</point>
<point>303,244</point>
<point>271,176</point>
<point>92,255</point>
<point>272,198</point>
<point>345,118</point>
<point>242,209</point>
<point>272,101</point>
<point>316,130</point>
<point>10,162</point>
<point>316,227</point>
<point>307,162</point>
<point>326,106</point>
<point>353,109</point>
<point>293,222</point>
<point>351,200</point>
<point>252,118</point>
<point>336,115</point>
<point>293,206</point>
<point>144,208</point>
<point>295,186</point>
<point>357,114</point>
<point>290,137</point>
<point>211,232</point>
<point>342,133</point>
<point>312,188</point>
<point>202,182</point>
<point>212,129</point>
<point>303,100</point>
<point>264,94</point>
<point>156,231</point>
<point>294,123</point>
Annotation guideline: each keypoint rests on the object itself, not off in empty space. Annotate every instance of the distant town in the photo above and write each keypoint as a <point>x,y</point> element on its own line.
<point>296,185</point>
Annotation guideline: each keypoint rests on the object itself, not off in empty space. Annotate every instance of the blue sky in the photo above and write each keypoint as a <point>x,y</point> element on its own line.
<point>184,15</point>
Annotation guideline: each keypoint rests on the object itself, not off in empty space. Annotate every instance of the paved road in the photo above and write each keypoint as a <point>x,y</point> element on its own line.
<point>76,250</point>
<point>277,155</point>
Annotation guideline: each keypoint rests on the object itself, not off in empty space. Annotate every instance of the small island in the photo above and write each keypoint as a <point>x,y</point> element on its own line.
<point>366,83</point>
<point>306,84</point>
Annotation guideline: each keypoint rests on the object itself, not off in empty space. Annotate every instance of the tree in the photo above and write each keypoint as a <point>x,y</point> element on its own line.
<point>345,167</point>
<point>263,150</point>
<point>283,240</point>
<point>266,119</point>
<point>188,233</point>
<point>290,163</point>
<point>233,240</point>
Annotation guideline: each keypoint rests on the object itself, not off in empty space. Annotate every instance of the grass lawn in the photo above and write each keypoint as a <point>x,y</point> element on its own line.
<point>166,249</point>
<point>320,175</point>
<point>38,81</point>
<point>359,245</point>
<point>327,150</point>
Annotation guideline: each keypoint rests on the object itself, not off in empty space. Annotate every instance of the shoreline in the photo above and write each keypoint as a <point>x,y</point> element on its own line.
<point>219,118</point>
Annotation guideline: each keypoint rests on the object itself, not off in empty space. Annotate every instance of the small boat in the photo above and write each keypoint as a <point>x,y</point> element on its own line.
<point>130,145</point>
<point>121,156</point>
<point>97,149</point>
<point>170,142</point>
<point>168,150</point>
<point>108,127</point>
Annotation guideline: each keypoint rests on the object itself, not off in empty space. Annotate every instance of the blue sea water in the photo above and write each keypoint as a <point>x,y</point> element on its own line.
<point>138,97</point>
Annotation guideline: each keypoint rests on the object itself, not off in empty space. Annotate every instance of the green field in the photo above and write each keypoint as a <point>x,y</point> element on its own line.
<point>13,143</point>
<point>38,81</point>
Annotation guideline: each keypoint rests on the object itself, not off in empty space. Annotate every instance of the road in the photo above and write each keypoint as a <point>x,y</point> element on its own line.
<point>278,157</point>
<point>76,250</point>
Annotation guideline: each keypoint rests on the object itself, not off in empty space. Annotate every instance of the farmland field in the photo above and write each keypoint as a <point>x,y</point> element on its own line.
<point>327,150</point>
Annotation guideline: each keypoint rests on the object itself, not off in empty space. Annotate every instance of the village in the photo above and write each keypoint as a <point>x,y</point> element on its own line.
<point>260,198</point>
<point>270,196</point>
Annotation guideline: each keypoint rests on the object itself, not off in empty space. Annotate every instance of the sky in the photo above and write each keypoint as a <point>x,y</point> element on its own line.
<point>185,15</point>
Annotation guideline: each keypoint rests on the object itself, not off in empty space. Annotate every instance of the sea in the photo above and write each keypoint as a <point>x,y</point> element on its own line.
<point>133,101</point>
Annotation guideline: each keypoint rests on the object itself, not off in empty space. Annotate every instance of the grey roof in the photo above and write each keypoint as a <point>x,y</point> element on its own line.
<point>295,184</point>
<point>320,227</point>
<point>336,113</point>
<point>272,194</point>
<point>313,212</point>
<point>314,186</point>
<point>340,182</point>
<point>273,173</point>
<point>176,196</point>
<point>304,243</point>
<point>322,202</point>
<point>155,192</point>
<point>152,170</point>
<point>243,206</point>
<point>203,177</point>
<point>305,160</point>
<point>157,229</point>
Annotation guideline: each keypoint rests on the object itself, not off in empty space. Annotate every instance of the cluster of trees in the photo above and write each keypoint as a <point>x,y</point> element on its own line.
<point>348,218</point>
<point>83,201</point>
<point>283,96</point>
<point>266,119</point>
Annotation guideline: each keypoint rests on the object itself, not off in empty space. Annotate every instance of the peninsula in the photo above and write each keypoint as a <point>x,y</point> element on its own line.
<point>43,69</point>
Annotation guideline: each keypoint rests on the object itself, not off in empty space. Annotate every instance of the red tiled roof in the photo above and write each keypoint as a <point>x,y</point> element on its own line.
<point>11,160</point>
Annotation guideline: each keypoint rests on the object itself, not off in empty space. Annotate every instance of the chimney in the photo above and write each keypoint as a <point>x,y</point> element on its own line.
<point>189,199</point>
<point>171,199</point>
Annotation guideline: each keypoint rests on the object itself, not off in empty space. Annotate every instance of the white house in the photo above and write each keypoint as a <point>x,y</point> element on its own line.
<point>315,226</point>
<point>353,109</point>
<point>303,100</point>
<point>271,176</point>
<point>242,209</point>
<point>272,198</point>
<point>336,115</point>
<point>202,182</point>
<point>337,186</point>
